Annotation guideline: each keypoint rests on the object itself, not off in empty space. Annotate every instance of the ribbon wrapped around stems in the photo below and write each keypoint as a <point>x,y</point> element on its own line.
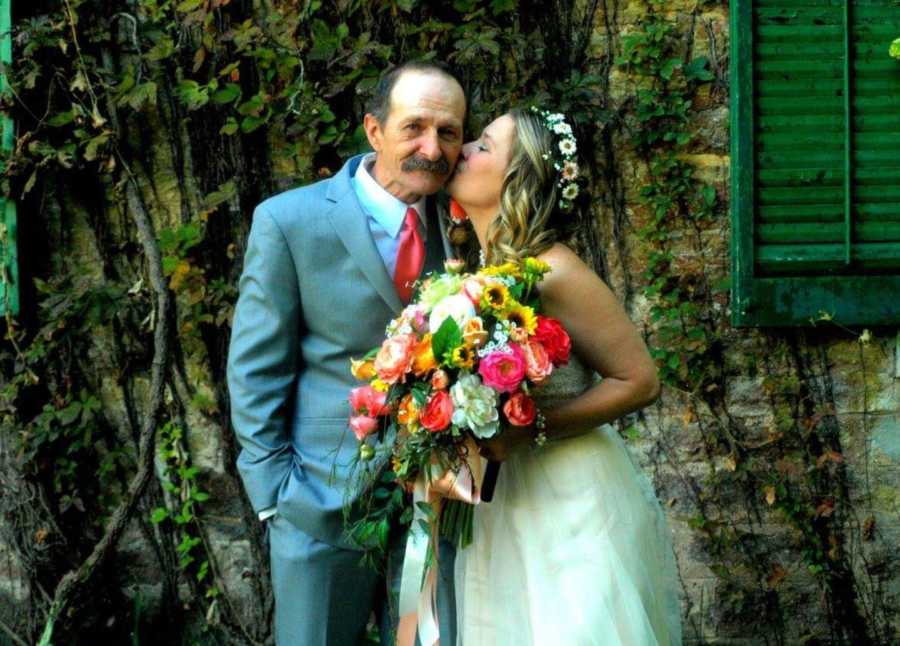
<point>418,587</point>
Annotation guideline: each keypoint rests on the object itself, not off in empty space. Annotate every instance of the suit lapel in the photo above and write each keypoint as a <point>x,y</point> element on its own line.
<point>352,227</point>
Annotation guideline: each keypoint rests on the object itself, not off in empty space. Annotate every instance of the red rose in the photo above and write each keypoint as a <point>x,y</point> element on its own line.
<point>551,334</point>
<point>438,411</point>
<point>519,409</point>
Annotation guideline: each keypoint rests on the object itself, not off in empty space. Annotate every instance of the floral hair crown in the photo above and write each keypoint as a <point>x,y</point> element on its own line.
<point>564,162</point>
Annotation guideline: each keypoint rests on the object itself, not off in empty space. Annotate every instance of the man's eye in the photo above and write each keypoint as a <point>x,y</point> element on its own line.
<point>482,148</point>
<point>412,126</point>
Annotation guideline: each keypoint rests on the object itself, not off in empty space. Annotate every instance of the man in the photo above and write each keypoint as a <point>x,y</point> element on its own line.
<point>326,267</point>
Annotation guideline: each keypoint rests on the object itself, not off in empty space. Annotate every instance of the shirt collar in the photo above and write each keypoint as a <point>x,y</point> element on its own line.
<point>381,206</point>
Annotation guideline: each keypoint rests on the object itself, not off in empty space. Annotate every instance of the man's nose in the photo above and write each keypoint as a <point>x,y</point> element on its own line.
<point>430,147</point>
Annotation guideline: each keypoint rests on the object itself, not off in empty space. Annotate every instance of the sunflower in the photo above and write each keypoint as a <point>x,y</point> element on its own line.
<point>506,269</point>
<point>536,266</point>
<point>495,297</point>
<point>463,357</point>
<point>523,317</point>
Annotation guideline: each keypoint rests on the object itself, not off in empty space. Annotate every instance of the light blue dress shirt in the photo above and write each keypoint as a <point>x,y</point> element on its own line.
<point>385,214</point>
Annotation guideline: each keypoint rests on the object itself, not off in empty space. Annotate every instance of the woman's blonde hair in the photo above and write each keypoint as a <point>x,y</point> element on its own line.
<point>529,196</point>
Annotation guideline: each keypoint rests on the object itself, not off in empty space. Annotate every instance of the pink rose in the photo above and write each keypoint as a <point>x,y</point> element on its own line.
<point>416,316</point>
<point>519,409</point>
<point>551,334</point>
<point>439,380</point>
<point>362,426</point>
<point>366,400</point>
<point>437,413</point>
<point>394,359</point>
<point>537,362</point>
<point>503,371</point>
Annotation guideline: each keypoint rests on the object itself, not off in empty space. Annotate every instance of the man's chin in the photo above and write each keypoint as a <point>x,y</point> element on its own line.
<point>432,184</point>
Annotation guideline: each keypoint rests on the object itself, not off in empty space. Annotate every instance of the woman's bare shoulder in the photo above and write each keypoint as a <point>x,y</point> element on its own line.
<point>564,263</point>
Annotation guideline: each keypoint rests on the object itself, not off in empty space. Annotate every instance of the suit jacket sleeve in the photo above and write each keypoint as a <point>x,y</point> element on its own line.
<point>264,360</point>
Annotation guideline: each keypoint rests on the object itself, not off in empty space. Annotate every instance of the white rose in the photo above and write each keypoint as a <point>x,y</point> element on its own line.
<point>458,307</point>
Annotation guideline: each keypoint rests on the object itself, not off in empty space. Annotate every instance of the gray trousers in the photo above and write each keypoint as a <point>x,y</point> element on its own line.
<point>324,597</point>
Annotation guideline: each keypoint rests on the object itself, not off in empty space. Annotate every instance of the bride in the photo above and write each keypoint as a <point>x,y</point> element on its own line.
<point>574,547</point>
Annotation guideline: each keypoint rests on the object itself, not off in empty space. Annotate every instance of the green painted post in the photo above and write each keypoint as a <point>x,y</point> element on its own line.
<point>9,265</point>
<point>742,162</point>
<point>848,137</point>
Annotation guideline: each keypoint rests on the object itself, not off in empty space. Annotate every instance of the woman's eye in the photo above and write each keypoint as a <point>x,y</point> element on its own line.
<point>482,148</point>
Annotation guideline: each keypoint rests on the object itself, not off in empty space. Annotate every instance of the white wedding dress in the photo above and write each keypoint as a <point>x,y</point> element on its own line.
<point>574,548</point>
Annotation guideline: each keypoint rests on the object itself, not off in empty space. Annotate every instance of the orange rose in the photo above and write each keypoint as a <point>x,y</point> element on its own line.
<point>438,411</point>
<point>537,362</point>
<point>440,380</point>
<point>394,359</point>
<point>519,409</point>
<point>474,333</point>
<point>423,357</point>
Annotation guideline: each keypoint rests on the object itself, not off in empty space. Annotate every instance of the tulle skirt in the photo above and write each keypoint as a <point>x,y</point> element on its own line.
<point>573,550</point>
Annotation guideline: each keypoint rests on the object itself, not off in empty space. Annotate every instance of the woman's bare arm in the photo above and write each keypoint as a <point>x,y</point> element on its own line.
<point>604,338</point>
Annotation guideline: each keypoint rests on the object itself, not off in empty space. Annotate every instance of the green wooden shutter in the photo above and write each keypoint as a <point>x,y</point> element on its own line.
<point>9,266</point>
<point>815,116</point>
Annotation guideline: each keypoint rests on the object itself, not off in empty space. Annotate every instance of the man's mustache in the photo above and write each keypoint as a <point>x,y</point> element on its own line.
<point>439,166</point>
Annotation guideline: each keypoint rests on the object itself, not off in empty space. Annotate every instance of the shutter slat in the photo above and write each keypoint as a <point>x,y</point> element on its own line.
<point>796,232</point>
<point>797,34</point>
<point>866,212</point>
<point>814,123</point>
<point>777,4</point>
<point>799,258</point>
<point>789,16</point>
<point>801,195</point>
<point>800,177</point>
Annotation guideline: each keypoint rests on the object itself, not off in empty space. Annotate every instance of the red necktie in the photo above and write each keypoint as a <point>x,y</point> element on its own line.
<point>410,256</point>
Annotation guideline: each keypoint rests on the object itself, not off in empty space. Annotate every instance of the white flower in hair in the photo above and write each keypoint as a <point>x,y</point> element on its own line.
<point>567,147</point>
<point>570,171</point>
<point>564,163</point>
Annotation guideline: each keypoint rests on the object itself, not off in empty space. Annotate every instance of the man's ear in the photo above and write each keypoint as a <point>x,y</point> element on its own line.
<point>373,130</point>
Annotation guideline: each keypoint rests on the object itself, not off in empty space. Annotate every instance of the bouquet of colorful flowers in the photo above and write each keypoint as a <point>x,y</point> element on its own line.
<point>458,363</point>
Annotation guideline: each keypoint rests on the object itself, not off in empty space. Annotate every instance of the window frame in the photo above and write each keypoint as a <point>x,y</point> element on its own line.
<point>760,301</point>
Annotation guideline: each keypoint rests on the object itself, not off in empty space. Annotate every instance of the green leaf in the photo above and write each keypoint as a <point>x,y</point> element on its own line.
<point>696,70</point>
<point>159,515</point>
<point>249,124</point>
<point>227,94</point>
<point>230,127</point>
<point>446,338</point>
<point>464,6</point>
<point>61,119</point>
<point>69,414</point>
<point>406,5</point>
<point>668,68</point>
<point>894,49</point>
<point>502,6</point>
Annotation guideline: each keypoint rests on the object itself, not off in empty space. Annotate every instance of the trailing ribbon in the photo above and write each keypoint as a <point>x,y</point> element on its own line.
<point>418,583</point>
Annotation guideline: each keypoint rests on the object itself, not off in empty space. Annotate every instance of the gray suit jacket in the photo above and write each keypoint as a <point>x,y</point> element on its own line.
<point>314,293</point>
